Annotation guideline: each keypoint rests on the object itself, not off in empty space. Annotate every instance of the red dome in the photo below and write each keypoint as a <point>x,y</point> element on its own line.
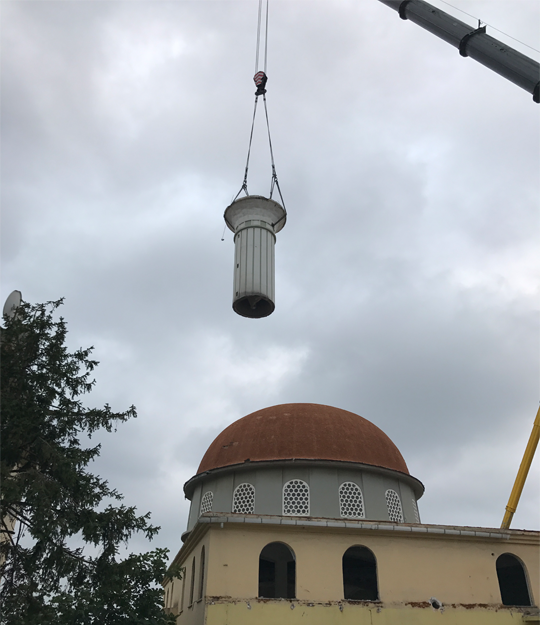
<point>302,431</point>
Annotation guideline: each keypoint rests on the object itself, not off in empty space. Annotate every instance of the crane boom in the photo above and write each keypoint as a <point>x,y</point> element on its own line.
<point>516,67</point>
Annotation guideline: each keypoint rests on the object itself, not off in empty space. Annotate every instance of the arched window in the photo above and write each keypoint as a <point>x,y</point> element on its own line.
<point>393,503</point>
<point>277,572</point>
<point>360,574</point>
<point>244,499</point>
<point>192,587</point>
<point>512,580</point>
<point>296,498</point>
<point>351,502</point>
<point>206,502</point>
<point>183,570</point>
<point>201,578</point>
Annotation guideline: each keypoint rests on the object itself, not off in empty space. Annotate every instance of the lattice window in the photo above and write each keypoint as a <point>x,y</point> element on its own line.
<point>351,502</point>
<point>244,499</point>
<point>393,503</point>
<point>206,502</point>
<point>296,498</point>
<point>415,510</point>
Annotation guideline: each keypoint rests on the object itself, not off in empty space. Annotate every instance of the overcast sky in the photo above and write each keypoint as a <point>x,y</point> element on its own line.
<point>406,276</point>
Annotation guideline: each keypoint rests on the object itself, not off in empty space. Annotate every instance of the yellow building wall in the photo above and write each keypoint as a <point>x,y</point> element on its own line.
<point>189,613</point>
<point>8,522</point>
<point>411,567</point>
<point>274,613</point>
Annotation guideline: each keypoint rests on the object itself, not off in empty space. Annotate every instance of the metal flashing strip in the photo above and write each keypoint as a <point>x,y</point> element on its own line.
<point>403,528</point>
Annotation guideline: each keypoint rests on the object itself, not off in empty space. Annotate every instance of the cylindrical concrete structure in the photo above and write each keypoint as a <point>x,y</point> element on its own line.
<point>255,220</point>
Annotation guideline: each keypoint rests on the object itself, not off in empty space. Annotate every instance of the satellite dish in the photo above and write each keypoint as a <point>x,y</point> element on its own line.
<point>12,303</point>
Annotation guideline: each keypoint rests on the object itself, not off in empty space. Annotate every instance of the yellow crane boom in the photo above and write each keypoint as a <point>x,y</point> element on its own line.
<point>522,473</point>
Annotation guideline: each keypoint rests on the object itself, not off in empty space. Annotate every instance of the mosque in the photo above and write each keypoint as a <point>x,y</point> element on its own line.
<point>303,513</point>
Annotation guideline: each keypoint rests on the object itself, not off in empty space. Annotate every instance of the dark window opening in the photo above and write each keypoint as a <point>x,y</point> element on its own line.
<point>192,587</point>
<point>512,581</point>
<point>201,580</point>
<point>183,588</point>
<point>360,575</point>
<point>277,572</point>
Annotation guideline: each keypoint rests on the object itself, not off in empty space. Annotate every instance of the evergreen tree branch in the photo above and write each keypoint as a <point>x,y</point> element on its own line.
<point>51,497</point>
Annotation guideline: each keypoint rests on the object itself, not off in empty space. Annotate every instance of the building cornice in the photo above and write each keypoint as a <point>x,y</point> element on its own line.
<point>437,531</point>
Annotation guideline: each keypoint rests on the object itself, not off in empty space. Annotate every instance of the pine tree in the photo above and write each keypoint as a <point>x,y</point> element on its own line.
<point>50,500</point>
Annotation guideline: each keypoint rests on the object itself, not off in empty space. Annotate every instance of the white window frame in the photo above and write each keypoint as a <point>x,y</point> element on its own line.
<point>390,493</point>
<point>308,498</point>
<point>361,498</point>
<point>415,510</point>
<point>234,502</point>
<point>208,496</point>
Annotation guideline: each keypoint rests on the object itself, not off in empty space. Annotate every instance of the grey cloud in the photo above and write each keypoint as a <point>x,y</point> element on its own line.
<point>405,276</point>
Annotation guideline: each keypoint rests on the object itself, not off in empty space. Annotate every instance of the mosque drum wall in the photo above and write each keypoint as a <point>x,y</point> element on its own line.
<point>323,482</point>
<point>455,566</point>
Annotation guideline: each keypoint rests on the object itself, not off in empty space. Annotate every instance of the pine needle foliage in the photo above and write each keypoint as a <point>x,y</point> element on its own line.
<point>49,499</point>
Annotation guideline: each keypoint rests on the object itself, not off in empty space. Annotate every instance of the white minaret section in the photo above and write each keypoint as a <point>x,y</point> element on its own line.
<point>255,220</point>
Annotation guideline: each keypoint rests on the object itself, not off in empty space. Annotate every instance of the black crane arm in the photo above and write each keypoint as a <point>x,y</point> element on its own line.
<point>516,67</point>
